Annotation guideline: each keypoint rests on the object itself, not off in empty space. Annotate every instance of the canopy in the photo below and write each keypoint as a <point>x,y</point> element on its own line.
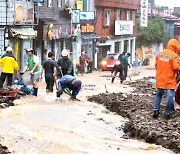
<point>23,33</point>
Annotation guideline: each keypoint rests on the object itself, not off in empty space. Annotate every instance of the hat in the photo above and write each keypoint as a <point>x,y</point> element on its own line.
<point>29,49</point>
<point>76,83</point>
<point>9,49</point>
<point>64,52</point>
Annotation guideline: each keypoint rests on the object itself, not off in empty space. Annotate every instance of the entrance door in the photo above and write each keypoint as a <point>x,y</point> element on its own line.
<point>25,45</point>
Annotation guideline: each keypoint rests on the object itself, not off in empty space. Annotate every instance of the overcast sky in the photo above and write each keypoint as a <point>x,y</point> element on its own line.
<point>169,3</point>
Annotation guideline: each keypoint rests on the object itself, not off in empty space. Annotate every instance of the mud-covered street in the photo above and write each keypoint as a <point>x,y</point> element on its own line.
<point>41,125</point>
<point>137,107</point>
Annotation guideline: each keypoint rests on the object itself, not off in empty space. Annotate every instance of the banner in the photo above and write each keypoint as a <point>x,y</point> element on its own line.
<point>79,5</point>
<point>75,16</point>
<point>144,13</point>
<point>123,27</point>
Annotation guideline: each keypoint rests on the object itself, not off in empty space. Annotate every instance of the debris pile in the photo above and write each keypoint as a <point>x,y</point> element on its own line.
<point>138,108</point>
<point>7,96</point>
<point>3,149</point>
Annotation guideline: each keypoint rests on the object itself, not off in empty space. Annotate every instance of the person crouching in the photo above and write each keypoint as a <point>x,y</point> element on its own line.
<point>117,69</point>
<point>70,82</point>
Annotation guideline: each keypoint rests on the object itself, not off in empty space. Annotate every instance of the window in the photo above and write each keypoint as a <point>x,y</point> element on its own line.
<point>49,3</point>
<point>60,3</point>
<point>128,15</point>
<point>106,17</point>
<point>134,17</point>
<point>118,15</point>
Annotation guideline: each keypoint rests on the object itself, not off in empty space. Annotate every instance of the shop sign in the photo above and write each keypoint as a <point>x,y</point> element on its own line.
<point>56,33</point>
<point>30,15</point>
<point>87,15</point>
<point>144,13</point>
<point>50,32</point>
<point>39,1</point>
<point>24,14</point>
<point>123,27</point>
<point>19,14</point>
<point>75,16</point>
<point>87,28</point>
<point>79,4</point>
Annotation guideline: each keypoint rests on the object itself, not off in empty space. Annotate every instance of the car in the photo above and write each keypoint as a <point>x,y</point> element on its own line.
<point>108,63</point>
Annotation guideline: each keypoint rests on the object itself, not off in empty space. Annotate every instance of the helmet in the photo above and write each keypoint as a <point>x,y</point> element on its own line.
<point>29,49</point>
<point>64,52</point>
<point>9,49</point>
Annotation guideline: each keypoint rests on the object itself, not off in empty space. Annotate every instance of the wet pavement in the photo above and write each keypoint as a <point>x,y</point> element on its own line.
<point>41,125</point>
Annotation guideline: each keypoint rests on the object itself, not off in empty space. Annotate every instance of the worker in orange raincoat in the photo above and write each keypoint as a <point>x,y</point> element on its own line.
<point>167,63</point>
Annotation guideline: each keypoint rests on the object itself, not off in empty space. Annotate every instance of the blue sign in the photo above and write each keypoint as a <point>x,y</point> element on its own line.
<point>39,1</point>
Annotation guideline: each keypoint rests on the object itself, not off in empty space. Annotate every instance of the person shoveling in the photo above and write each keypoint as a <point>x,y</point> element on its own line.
<point>68,82</point>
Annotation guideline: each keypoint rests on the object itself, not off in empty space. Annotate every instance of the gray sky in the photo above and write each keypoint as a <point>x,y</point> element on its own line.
<point>169,3</point>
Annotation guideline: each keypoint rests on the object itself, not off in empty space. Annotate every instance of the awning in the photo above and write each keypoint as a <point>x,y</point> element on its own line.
<point>23,33</point>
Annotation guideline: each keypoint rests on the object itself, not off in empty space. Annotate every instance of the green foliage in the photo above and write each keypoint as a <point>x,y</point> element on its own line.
<point>177,14</point>
<point>152,34</point>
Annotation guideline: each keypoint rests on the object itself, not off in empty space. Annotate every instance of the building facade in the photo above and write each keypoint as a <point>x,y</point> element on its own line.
<point>116,27</point>
<point>54,28</point>
<point>17,27</point>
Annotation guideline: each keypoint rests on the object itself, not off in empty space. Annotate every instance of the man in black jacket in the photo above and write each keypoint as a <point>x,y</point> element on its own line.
<point>49,67</point>
<point>65,64</point>
<point>117,68</point>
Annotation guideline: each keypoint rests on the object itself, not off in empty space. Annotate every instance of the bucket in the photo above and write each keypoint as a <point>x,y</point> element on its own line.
<point>136,63</point>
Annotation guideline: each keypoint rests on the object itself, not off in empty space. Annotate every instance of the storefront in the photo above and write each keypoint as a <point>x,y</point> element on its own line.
<point>87,20</point>
<point>21,38</point>
<point>56,38</point>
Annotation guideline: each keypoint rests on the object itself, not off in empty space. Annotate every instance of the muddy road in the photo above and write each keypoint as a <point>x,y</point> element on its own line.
<point>137,107</point>
<point>41,125</point>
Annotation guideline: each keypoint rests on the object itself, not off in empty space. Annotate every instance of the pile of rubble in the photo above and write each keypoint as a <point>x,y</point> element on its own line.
<point>138,108</point>
<point>7,96</point>
<point>3,150</point>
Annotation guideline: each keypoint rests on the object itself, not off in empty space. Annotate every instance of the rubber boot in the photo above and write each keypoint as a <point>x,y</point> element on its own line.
<point>156,114</point>
<point>112,81</point>
<point>35,91</point>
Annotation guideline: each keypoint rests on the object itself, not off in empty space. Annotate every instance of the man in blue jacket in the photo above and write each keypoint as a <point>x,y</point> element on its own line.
<point>70,82</point>
<point>125,65</point>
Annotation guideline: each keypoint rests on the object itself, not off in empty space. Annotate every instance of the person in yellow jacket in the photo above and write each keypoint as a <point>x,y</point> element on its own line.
<point>8,64</point>
<point>167,64</point>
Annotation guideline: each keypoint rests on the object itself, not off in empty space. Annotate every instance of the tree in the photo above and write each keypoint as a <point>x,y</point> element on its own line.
<point>153,33</point>
<point>177,14</point>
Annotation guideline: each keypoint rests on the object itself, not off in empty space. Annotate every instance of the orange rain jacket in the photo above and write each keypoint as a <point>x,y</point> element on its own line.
<point>167,63</point>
